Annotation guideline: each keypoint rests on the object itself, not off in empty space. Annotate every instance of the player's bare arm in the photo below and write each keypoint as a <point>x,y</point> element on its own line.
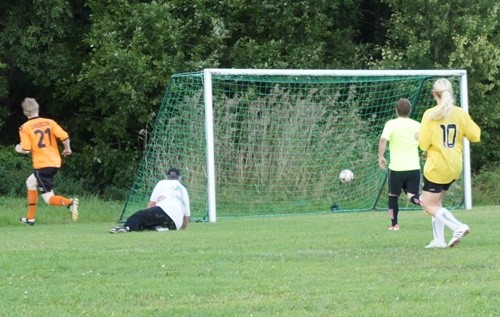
<point>151,204</point>
<point>67,148</point>
<point>382,162</point>
<point>20,150</point>
<point>185,222</point>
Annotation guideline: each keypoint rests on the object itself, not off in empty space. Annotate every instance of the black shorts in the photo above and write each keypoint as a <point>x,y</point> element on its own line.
<point>409,181</point>
<point>148,219</point>
<point>435,188</point>
<point>45,179</point>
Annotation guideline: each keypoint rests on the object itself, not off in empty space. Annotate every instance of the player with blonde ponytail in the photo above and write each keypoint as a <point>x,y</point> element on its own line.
<point>443,90</point>
<point>442,130</point>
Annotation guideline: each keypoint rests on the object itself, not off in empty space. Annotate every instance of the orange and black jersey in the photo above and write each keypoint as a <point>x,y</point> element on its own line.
<point>39,136</point>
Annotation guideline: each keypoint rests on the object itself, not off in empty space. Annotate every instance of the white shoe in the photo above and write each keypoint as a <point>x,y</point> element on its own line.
<point>457,235</point>
<point>394,228</point>
<point>119,229</point>
<point>30,222</point>
<point>435,245</point>
<point>73,208</point>
<point>161,229</point>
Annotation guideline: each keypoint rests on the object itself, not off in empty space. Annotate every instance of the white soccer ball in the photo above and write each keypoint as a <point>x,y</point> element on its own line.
<point>346,176</point>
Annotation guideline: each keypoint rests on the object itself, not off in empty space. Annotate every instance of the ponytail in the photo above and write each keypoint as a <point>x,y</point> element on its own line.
<point>446,101</point>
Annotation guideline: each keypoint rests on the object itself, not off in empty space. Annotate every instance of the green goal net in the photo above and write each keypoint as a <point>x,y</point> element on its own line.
<point>279,141</point>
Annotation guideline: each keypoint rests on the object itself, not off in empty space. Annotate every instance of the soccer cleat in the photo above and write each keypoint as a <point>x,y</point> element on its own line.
<point>394,228</point>
<point>161,229</point>
<point>26,221</point>
<point>457,235</point>
<point>436,245</point>
<point>73,209</point>
<point>119,229</point>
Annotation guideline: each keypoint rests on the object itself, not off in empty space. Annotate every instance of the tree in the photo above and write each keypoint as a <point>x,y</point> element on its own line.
<point>101,67</point>
<point>457,34</point>
<point>3,94</point>
<point>136,46</point>
<point>39,43</point>
<point>292,34</point>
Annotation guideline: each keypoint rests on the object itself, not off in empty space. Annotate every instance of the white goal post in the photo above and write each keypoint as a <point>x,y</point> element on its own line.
<point>209,116</point>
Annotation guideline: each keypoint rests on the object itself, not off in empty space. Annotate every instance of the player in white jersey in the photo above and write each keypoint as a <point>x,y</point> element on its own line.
<point>168,208</point>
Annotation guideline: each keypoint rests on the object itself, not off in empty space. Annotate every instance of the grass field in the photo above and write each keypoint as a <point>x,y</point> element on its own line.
<point>313,265</point>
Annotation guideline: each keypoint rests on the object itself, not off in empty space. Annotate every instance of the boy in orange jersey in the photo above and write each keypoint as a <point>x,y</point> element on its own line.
<point>39,137</point>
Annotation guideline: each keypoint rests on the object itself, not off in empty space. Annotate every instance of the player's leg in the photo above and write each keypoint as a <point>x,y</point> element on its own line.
<point>162,221</point>
<point>31,184</point>
<point>431,203</point>
<point>439,226</point>
<point>146,219</point>
<point>394,182</point>
<point>393,212</point>
<point>459,229</point>
<point>169,223</point>
<point>45,179</point>
<point>438,235</point>
<point>432,195</point>
<point>412,186</point>
<point>135,221</point>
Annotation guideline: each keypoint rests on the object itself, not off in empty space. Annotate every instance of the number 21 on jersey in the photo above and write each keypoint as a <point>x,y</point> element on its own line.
<point>41,134</point>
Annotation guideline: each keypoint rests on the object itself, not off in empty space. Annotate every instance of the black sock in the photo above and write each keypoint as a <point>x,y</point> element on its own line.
<point>393,204</point>
<point>415,200</point>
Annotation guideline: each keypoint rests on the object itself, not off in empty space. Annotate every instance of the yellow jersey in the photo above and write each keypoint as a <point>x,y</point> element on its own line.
<point>39,136</point>
<point>443,141</point>
<point>403,146</point>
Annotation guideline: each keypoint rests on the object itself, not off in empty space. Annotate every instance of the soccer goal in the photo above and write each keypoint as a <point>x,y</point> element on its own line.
<point>256,142</point>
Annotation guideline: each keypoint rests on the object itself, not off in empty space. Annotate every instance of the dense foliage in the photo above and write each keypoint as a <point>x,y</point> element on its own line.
<point>100,67</point>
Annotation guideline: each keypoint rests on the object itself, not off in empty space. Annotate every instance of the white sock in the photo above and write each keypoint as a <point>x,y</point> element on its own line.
<point>446,217</point>
<point>438,230</point>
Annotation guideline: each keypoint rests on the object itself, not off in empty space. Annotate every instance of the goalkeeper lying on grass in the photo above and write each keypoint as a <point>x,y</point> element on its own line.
<point>168,208</point>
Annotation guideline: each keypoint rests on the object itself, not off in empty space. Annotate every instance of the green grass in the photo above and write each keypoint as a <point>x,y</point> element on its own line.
<point>310,265</point>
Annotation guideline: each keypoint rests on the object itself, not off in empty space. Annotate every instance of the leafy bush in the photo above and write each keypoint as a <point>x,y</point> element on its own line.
<point>69,186</point>
<point>14,169</point>
<point>485,186</point>
<point>113,193</point>
<point>102,171</point>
